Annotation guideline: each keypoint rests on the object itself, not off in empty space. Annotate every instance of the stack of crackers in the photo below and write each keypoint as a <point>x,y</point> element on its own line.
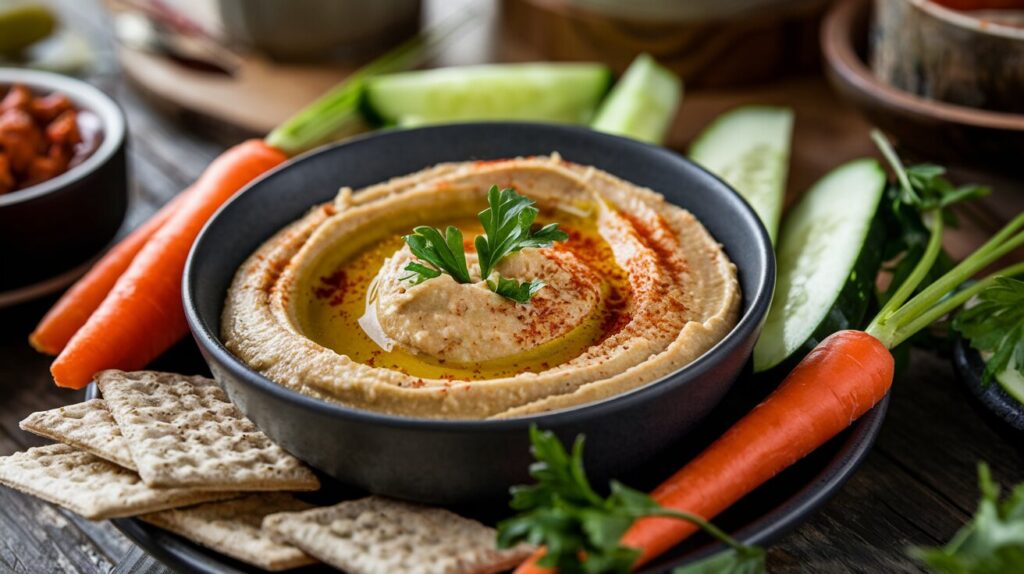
<point>175,452</point>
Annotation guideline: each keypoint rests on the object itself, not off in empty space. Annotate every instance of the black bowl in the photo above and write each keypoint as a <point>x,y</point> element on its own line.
<point>450,462</point>
<point>1002,407</point>
<point>50,231</point>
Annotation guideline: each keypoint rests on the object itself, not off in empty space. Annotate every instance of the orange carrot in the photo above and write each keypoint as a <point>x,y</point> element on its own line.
<point>840,380</point>
<point>75,307</point>
<point>531,567</point>
<point>143,316</point>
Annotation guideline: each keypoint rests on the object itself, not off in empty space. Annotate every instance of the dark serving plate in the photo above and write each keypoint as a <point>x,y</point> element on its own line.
<point>969,367</point>
<point>761,518</point>
<point>461,461</point>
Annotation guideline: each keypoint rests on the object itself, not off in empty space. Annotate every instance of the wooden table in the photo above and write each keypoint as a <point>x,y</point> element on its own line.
<point>916,487</point>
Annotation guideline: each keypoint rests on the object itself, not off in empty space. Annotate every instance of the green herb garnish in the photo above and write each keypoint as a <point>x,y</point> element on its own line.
<point>923,196</point>
<point>996,325</point>
<point>508,225</point>
<point>929,189</point>
<point>514,290</point>
<point>443,254</point>
<point>581,530</point>
<point>922,190</point>
<point>991,543</point>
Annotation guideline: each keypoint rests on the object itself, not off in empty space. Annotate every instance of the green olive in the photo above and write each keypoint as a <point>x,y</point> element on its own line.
<point>23,25</point>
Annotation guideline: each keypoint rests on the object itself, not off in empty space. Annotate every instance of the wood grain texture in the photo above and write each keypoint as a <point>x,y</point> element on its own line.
<point>729,50</point>
<point>950,56</point>
<point>916,487</point>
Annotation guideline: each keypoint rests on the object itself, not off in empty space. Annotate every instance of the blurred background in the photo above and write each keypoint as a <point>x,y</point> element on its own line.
<point>944,79</point>
<point>128,101</point>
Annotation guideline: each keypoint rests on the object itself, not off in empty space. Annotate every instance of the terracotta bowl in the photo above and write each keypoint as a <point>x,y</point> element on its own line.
<point>942,132</point>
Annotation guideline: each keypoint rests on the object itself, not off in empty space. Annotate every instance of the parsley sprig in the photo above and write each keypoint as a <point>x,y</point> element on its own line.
<point>507,224</point>
<point>514,290</point>
<point>929,189</point>
<point>445,254</point>
<point>508,227</point>
<point>581,530</point>
<point>996,325</point>
<point>922,190</point>
<point>991,543</point>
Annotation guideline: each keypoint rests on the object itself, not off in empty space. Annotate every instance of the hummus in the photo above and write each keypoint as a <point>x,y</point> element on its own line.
<point>639,290</point>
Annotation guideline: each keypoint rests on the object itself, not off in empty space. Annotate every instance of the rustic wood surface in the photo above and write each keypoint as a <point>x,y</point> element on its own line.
<point>916,487</point>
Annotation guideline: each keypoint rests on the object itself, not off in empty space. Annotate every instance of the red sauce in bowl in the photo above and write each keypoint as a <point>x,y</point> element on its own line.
<point>42,137</point>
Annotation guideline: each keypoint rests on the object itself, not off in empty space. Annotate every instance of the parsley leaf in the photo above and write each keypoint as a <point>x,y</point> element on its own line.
<point>507,223</point>
<point>996,325</point>
<point>508,227</point>
<point>991,543</point>
<point>930,190</point>
<point>514,290</point>
<point>580,529</point>
<point>418,273</point>
<point>921,188</point>
<point>924,186</point>
<point>444,254</point>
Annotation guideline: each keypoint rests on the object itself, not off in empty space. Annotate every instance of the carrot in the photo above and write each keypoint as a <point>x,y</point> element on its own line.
<point>840,380</point>
<point>837,382</point>
<point>530,565</point>
<point>73,309</point>
<point>142,316</point>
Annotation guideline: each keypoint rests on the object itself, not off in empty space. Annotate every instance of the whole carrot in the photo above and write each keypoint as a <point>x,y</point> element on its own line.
<point>142,316</point>
<point>840,380</point>
<point>77,304</point>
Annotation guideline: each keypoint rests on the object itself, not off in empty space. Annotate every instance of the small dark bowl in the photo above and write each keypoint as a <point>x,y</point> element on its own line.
<point>969,367</point>
<point>451,462</point>
<point>50,231</point>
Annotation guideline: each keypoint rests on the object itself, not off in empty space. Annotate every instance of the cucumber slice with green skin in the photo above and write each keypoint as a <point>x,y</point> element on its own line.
<point>829,253</point>
<point>748,147</point>
<point>643,103</point>
<point>1012,382</point>
<point>563,93</point>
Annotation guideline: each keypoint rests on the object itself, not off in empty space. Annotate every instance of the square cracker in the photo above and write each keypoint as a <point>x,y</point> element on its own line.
<point>233,528</point>
<point>86,426</point>
<point>183,431</point>
<point>88,485</point>
<point>377,535</point>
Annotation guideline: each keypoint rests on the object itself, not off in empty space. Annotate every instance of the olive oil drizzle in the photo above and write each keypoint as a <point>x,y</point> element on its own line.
<point>334,297</point>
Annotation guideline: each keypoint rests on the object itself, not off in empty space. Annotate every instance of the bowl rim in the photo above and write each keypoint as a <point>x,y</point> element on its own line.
<point>847,66</point>
<point>85,96</point>
<point>967,21</point>
<point>749,322</point>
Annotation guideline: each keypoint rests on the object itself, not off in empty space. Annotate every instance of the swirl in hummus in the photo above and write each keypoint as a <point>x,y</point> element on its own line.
<point>639,290</point>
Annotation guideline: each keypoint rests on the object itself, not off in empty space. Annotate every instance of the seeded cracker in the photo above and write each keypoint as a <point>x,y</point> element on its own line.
<point>233,528</point>
<point>377,535</point>
<point>86,426</point>
<point>183,431</point>
<point>88,485</point>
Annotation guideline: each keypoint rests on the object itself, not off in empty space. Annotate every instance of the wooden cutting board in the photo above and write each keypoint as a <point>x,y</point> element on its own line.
<point>258,96</point>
